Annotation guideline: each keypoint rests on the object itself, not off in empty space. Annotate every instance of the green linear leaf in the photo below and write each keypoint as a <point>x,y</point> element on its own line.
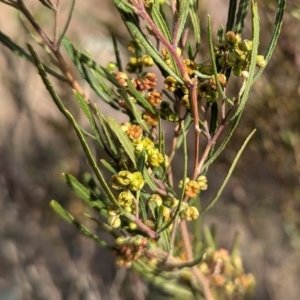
<point>46,81</point>
<point>67,23</point>
<point>124,5</point>
<point>151,50</point>
<point>123,139</point>
<point>63,213</point>
<point>213,60</point>
<point>184,6</point>
<point>84,193</point>
<point>117,52</point>
<point>275,35</point>
<point>108,166</point>
<point>224,143</point>
<point>159,20</point>
<point>128,148</point>
<point>249,80</point>
<point>87,111</point>
<point>241,16</point>
<point>196,22</point>
<point>111,144</point>
<point>134,109</point>
<point>216,197</point>
<point>231,15</point>
<point>140,98</point>
<point>16,49</point>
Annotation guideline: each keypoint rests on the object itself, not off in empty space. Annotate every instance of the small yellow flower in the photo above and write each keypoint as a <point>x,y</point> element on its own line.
<point>155,158</point>
<point>190,213</point>
<point>156,198</point>
<point>114,221</point>
<point>170,83</point>
<point>202,182</point>
<point>125,198</point>
<point>121,180</point>
<point>192,189</point>
<point>137,181</point>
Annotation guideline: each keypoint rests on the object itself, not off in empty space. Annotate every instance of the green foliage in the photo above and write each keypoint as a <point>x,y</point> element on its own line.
<point>134,188</point>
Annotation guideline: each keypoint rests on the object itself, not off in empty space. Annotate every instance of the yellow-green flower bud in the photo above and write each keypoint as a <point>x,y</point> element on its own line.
<point>156,198</point>
<point>237,70</point>
<point>121,180</point>
<point>202,182</point>
<point>180,183</point>
<point>232,38</point>
<point>260,61</point>
<point>147,61</point>
<point>190,213</point>
<point>137,181</point>
<point>166,213</point>
<point>111,66</point>
<point>229,288</point>
<point>114,221</point>
<point>245,45</point>
<point>155,158</point>
<point>133,60</point>
<point>125,198</point>
<point>170,83</point>
<point>167,161</point>
<point>132,226</point>
<point>148,144</point>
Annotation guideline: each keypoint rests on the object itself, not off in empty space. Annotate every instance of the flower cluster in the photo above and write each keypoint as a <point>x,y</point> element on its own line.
<point>226,274</point>
<point>129,249</point>
<point>233,52</point>
<point>193,187</point>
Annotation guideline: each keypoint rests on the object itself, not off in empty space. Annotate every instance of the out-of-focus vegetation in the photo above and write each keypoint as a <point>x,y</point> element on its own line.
<point>261,200</point>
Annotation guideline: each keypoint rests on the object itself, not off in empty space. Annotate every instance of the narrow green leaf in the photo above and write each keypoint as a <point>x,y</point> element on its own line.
<point>68,22</point>
<point>63,213</point>
<point>224,142</point>
<point>107,133</point>
<point>123,139</point>
<point>160,21</point>
<point>16,49</point>
<point>117,53</point>
<point>184,6</point>
<point>108,166</point>
<point>275,35</point>
<point>249,80</point>
<point>87,111</point>
<point>140,98</point>
<point>124,5</point>
<point>84,193</point>
<point>151,50</point>
<point>213,60</point>
<point>241,16</point>
<point>46,81</point>
<point>134,109</point>
<point>194,14</point>
<point>216,197</point>
<point>209,239</point>
<point>231,15</point>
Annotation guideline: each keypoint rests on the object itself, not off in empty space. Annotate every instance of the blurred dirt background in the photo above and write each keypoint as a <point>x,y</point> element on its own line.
<point>42,258</point>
